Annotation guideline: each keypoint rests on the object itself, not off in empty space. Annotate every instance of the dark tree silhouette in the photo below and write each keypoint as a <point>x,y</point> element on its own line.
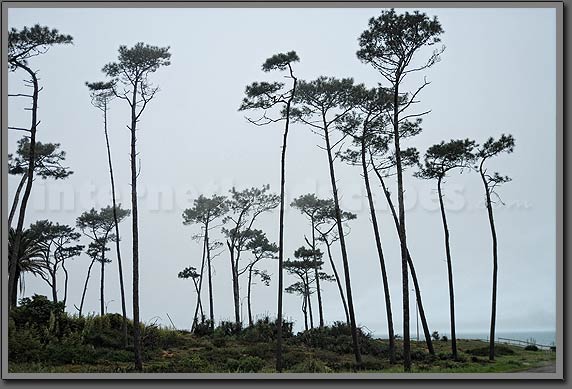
<point>191,273</point>
<point>130,78</point>
<point>266,96</point>
<point>322,105</point>
<point>261,248</point>
<point>48,164</point>
<point>204,212</point>
<point>489,149</point>
<point>59,244</point>
<point>101,95</point>
<point>383,164</point>
<point>369,117</point>
<point>23,45</point>
<point>245,206</point>
<point>98,226</point>
<point>439,160</point>
<point>389,45</point>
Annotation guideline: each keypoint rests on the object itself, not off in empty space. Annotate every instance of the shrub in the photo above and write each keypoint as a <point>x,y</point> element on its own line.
<point>219,342</point>
<point>228,328</point>
<point>531,347</point>
<point>265,330</point>
<point>435,335</point>
<point>24,345</point>
<point>247,364</point>
<point>337,338</point>
<point>310,366</point>
<point>444,338</point>
<point>484,351</point>
<point>203,328</point>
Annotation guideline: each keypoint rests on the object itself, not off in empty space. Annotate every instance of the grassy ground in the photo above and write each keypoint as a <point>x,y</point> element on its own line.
<point>230,355</point>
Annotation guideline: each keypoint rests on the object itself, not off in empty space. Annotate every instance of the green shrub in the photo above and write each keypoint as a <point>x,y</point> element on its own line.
<point>337,338</point>
<point>484,351</point>
<point>219,342</point>
<point>228,328</point>
<point>265,330</point>
<point>531,347</point>
<point>250,364</point>
<point>310,366</point>
<point>24,345</point>
<point>203,328</point>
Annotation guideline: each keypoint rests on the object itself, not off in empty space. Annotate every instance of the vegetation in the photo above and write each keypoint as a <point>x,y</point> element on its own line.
<point>45,337</point>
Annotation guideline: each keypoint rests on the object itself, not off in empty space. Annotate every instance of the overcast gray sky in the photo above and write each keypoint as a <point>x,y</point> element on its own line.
<point>497,75</point>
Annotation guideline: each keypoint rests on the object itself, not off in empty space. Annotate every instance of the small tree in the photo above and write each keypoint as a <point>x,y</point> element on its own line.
<point>389,45</point>
<point>439,160</point>
<point>244,208</point>
<point>322,105</point>
<point>204,212</point>
<point>489,149</point>
<point>23,45</point>
<point>130,75</point>
<point>267,96</point>
<point>59,244</point>
<point>98,226</point>
<point>48,164</point>
<point>191,273</point>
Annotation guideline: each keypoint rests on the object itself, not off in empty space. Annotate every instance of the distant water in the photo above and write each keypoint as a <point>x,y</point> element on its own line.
<point>547,338</point>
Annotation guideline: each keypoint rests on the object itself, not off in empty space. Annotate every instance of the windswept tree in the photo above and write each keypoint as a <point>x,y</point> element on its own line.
<point>98,226</point>
<point>130,79</point>
<point>244,208</point>
<point>192,274</point>
<point>260,248</point>
<point>363,126</point>
<point>310,206</point>
<point>492,148</point>
<point>30,258</point>
<point>328,234</point>
<point>59,244</point>
<point>322,104</point>
<point>269,96</point>
<point>48,164</point>
<point>383,164</point>
<point>440,159</point>
<point>101,95</point>
<point>303,267</point>
<point>389,45</point>
<point>23,45</point>
<point>205,212</point>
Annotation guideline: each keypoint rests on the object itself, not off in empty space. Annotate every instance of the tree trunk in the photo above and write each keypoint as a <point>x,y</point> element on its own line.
<point>305,311</point>
<point>281,231</point>
<point>235,285</point>
<point>379,252</point>
<point>250,321</point>
<point>54,285</point>
<point>402,231</point>
<point>495,267</point>
<point>211,309</point>
<point>116,222</point>
<point>135,221</point>
<point>101,287</point>
<point>317,275</point>
<point>85,286</point>
<point>338,282</point>
<point>15,286</point>
<point>342,246</point>
<point>309,301</point>
<point>16,198</point>
<point>31,166</point>
<point>426,330</point>
<point>66,278</point>
<point>449,271</point>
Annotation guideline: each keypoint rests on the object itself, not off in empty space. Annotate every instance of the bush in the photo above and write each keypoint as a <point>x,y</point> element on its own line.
<point>228,328</point>
<point>310,366</point>
<point>531,347</point>
<point>444,338</point>
<point>337,338</point>
<point>203,328</point>
<point>265,330</point>
<point>435,335</point>
<point>247,364</point>
<point>484,351</point>
<point>24,345</point>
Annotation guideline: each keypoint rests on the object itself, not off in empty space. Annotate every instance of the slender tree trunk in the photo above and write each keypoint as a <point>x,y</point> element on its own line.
<point>379,252</point>
<point>66,278</point>
<point>281,232</point>
<point>305,311</point>
<point>342,246</point>
<point>402,230</point>
<point>338,282</point>
<point>199,286</point>
<point>102,284</point>
<point>15,287</point>
<point>426,330</point>
<point>116,222</point>
<point>31,166</point>
<point>85,286</point>
<point>495,267</point>
<point>235,285</point>
<point>16,199</point>
<point>211,309</point>
<point>309,301</point>
<point>449,271</point>
<point>135,221</point>
<point>54,285</point>
<point>250,321</point>
<point>317,275</point>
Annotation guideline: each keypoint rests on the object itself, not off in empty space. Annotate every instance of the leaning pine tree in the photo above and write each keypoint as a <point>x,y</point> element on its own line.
<point>439,160</point>
<point>131,72</point>
<point>264,95</point>
<point>389,45</point>
<point>492,148</point>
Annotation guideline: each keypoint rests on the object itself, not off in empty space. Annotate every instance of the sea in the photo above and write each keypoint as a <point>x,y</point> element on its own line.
<point>540,337</point>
